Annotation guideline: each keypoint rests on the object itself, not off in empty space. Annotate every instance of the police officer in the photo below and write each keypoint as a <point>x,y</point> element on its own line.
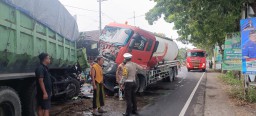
<point>129,72</point>
<point>249,49</point>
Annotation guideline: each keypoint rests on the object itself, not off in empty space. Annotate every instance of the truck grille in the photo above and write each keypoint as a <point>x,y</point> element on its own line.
<point>195,63</point>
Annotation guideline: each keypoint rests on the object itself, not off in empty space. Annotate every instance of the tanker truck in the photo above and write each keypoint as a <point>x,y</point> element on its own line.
<point>155,53</point>
<point>28,28</point>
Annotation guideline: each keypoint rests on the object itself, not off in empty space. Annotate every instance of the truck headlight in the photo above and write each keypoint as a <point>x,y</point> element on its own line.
<point>203,64</point>
<point>188,65</point>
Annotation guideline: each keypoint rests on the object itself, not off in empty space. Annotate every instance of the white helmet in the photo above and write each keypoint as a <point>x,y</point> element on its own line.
<point>127,56</point>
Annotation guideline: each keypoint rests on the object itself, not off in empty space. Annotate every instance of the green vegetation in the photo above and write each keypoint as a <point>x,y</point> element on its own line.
<point>182,54</point>
<point>204,23</point>
<point>236,88</point>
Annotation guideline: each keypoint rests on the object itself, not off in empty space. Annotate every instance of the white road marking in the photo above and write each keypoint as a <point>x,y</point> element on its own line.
<point>181,80</point>
<point>184,109</point>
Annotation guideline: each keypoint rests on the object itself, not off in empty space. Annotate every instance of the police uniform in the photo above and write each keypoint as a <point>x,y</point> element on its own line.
<point>130,69</point>
<point>249,49</point>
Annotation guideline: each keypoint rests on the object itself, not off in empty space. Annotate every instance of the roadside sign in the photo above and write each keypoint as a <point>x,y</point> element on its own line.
<point>248,45</point>
<point>217,57</point>
<point>232,52</point>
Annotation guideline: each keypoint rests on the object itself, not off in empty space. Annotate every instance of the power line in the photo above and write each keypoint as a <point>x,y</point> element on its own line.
<point>136,16</point>
<point>92,11</point>
<point>82,8</point>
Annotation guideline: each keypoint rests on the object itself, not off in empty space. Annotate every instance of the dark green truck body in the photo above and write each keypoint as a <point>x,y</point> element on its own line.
<point>22,39</point>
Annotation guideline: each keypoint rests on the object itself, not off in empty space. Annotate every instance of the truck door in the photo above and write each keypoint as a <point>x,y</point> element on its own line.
<point>140,48</point>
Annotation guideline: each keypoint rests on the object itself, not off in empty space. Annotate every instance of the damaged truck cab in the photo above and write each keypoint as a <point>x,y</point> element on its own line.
<point>156,54</point>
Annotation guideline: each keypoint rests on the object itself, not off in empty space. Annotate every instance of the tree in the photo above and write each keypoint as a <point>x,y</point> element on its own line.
<point>182,54</point>
<point>203,23</point>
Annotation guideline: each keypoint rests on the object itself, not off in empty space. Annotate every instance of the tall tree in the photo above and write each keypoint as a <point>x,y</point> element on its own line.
<point>203,23</point>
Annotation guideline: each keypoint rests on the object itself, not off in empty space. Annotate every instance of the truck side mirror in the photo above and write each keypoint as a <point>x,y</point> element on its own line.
<point>156,46</point>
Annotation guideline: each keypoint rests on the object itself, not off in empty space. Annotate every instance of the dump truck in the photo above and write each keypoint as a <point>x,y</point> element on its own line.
<point>156,54</point>
<point>196,59</point>
<point>28,28</point>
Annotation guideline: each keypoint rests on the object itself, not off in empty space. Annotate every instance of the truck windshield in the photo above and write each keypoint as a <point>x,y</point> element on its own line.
<point>195,54</point>
<point>115,35</point>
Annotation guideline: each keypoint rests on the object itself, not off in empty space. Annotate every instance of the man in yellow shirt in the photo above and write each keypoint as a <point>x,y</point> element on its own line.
<point>98,88</point>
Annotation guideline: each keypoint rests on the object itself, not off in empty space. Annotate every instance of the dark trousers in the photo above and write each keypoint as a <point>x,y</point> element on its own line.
<point>98,96</point>
<point>130,96</point>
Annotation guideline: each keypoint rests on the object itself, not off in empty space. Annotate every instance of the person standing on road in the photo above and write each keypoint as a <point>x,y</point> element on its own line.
<point>43,85</point>
<point>119,76</point>
<point>129,72</point>
<point>98,88</point>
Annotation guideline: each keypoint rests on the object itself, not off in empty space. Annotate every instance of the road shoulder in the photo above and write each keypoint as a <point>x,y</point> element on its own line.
<point>217,101</point>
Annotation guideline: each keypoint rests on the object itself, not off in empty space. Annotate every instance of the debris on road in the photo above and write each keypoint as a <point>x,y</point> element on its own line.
<point>86,91</point>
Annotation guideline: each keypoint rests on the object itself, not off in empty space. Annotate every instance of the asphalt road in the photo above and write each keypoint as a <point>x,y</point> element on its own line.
<point>184,96</point>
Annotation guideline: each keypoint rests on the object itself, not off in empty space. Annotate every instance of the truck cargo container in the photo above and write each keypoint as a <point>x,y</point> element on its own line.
<point>155,53</point>
<point>28,28</point>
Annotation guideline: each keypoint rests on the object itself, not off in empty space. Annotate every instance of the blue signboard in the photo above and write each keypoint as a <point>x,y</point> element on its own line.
<point>248,45</point>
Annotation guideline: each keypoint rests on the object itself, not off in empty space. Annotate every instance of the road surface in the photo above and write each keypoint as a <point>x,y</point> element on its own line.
<point>185,96</point>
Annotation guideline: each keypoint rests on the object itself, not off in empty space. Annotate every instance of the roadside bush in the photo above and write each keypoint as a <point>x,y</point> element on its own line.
<point>237,89</point>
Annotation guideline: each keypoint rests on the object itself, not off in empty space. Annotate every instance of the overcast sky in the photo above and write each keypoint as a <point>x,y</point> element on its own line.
<point>118,11</point>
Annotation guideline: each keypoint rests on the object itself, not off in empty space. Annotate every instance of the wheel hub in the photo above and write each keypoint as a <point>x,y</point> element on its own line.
<point>7,109</point>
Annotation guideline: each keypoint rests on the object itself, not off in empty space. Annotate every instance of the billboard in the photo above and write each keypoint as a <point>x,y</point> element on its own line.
<point>248,45</point>
<point>232,52</point>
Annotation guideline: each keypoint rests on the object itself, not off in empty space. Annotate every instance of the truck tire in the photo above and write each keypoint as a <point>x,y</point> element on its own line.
<point>203,70</point>
<point>137,84</point>
<point>10,104</point>
<point>175,73</point>
<point>171,76</point>
<point>29,102</point>
<point>75,84</point>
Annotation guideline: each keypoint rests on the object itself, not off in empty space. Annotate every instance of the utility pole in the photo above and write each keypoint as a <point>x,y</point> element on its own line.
<point>134,18</point>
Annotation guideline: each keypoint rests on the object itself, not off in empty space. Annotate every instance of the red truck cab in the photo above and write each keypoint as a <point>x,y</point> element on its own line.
<point>196,59</point>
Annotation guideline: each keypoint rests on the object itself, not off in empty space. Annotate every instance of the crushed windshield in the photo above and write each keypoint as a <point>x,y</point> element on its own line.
<point>115,35</point>
<point>196,54</point>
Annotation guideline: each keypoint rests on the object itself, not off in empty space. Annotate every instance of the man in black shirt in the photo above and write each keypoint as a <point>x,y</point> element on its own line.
<point>44,85</point>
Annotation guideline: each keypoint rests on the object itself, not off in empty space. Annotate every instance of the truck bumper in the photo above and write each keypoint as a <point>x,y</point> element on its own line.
<point>202,66</point>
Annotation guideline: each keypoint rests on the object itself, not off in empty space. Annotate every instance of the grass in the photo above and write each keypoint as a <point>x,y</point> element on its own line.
<point>236,88</point>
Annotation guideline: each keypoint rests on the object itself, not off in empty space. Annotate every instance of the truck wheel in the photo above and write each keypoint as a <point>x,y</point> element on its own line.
<point>203,70</point>
<point>137,84</point>
<point>29,102</point>
<point>10,104</point>
<point>174,74</point>
<point>188,70</point>
<point>171,76</point>
<point>75,87</point>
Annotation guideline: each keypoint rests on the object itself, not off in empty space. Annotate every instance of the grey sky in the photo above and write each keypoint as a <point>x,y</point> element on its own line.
<point>117,11</point>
